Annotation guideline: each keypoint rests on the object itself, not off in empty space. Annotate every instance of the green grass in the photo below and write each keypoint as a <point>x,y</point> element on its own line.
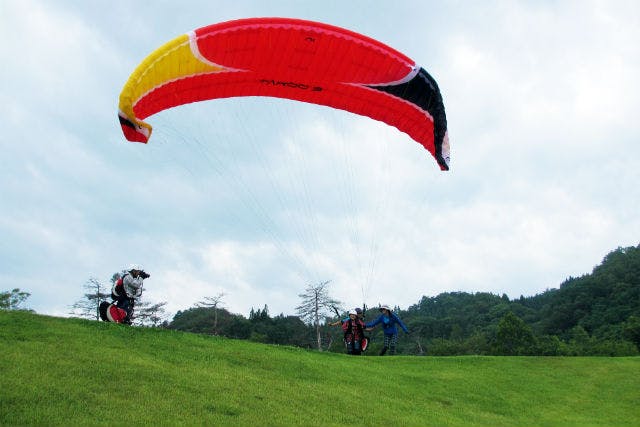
<point>56,371</point>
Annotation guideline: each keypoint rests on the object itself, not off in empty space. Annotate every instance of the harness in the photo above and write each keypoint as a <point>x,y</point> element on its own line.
<point>349,330</point>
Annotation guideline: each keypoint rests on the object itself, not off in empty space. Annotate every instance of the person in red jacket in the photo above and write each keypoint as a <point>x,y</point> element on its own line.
<point>353,328</point>
<point>128,288</point>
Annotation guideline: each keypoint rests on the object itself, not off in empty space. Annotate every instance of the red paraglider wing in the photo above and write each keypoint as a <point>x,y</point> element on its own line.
<point>294,59</point>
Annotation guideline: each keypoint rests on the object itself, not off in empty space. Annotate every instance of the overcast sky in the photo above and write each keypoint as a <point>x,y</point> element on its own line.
<point>258,198</point>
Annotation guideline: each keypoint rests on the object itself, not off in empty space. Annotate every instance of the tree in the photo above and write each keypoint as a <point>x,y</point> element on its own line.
<point>580,342</point>
<point>11,300</point>
<point>632,330</point>
<point>213,303</point>
<point>417,329</point>
<point>514,336</point>
<point>289,330</point>
<point>315,304</point>
<point>89,306</point>
<point>150,314</point>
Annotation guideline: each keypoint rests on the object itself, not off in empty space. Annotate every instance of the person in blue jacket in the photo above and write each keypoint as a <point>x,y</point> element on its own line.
<point>389,320</point>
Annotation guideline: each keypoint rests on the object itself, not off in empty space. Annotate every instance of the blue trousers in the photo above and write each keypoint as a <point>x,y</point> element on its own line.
<point>354,348</point>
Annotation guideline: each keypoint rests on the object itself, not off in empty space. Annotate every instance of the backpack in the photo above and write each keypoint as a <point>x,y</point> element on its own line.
<point>109,312</point>
<point>117,291</point>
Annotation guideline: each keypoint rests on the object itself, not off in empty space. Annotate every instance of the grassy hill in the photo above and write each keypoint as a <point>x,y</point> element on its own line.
<point>56,371</point>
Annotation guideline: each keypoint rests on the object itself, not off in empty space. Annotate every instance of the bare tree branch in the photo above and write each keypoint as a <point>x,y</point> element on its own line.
<point>147,314</point>
<point>89,306</point>
<point>213,302</point>
<point>316,302</point>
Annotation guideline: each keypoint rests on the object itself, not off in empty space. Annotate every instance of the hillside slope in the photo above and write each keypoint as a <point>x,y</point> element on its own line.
<point>56,371</point>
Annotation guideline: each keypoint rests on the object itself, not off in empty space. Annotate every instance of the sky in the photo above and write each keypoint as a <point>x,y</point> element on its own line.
<point>257,198</point>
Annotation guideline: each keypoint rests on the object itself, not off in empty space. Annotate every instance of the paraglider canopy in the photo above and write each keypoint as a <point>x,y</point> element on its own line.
<point>293,59</point>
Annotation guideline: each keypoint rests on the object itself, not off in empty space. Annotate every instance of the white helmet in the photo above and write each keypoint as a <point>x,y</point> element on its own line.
<point>136,267</point>
<point>353,312</point>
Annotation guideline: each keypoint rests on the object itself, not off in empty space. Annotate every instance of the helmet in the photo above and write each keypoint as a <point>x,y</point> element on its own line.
<point>385,307</point>
<point>358,310</point>
<point>136,267</point>
<point>353,312</point>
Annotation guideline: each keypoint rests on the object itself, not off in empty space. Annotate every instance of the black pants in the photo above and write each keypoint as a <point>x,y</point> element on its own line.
<point>127,305</point>
<point>390,341</point>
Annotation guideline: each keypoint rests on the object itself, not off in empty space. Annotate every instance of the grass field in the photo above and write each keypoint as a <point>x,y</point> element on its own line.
<point>56,371</point>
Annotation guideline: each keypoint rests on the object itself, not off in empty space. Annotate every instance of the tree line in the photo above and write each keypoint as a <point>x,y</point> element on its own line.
<point>595,314</point>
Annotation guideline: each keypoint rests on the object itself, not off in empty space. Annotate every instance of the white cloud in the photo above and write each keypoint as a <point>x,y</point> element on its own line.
<point>58,58</point>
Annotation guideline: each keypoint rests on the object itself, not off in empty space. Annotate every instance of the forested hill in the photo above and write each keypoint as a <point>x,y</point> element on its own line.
<point>596,314</point>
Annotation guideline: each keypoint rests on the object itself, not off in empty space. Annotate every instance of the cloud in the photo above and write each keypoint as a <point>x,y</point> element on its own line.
<point>259,197</point>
